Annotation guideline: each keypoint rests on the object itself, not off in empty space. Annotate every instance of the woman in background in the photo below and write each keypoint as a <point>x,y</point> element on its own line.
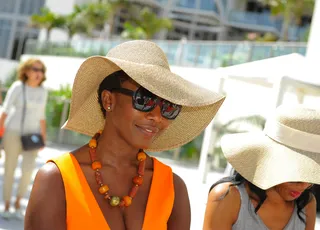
<point>275,170</point>
<point>27,89</point>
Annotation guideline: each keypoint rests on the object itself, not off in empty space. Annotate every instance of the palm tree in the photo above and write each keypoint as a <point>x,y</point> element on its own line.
<point>96,14</point>
<point>147,22</point>
<point>290,10</point>
<point>115,6</point>
<point>76,23</point>
<point>132,32</point>
<point>47,20</point>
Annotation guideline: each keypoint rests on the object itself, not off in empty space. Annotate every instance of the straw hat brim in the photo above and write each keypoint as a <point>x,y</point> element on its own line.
<point>199,105</point>
<point>266,163</point>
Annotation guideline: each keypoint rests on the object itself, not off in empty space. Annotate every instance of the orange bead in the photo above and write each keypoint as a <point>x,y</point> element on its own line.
<point>138,180</point>
<point>127,200</point>
<point>96,165</point>
<point>122,204</point>
<point>141,168</point>
<point>100,131</point>
<point>93,154</point>
<point>133,191</point>
<point>93,143</point>
<point>104,189</point>
<point>141,156</point>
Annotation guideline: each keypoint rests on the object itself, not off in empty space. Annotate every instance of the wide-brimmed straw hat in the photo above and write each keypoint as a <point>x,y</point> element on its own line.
<point>288,149</point>
<point>146,64</point>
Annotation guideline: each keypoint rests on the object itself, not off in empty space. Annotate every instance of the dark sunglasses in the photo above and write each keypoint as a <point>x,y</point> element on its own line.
<point>145,101</point>
<point>35,69</point>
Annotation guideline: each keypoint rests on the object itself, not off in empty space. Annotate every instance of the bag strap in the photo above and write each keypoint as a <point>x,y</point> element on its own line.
<point>24,107</point>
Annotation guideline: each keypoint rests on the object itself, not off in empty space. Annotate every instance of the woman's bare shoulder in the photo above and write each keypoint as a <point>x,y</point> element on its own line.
<point>311,207</point>
<point>311,212</point>
<point>224,190</point>
<point>223,206</point>
<point>48,181</point>
<point>47,194</point>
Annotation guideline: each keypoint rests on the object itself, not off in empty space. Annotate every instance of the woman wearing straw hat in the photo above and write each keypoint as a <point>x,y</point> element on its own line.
<point>129,102</point>
<point>274,172</point>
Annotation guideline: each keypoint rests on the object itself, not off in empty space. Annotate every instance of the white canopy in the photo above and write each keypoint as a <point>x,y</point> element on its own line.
<point>288,72</point>
<point>265,72</point>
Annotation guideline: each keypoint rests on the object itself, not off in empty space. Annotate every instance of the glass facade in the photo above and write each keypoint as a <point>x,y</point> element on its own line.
<point>208,5</point>
<point>190,53</point>
<point>7,6</point>
<point>251,18</point>
<point>191,4</point>
<point>5,28</point>
<point>237,17</point>
<point>29,7</point>
<point>266,20</point>
<point>14,16</point>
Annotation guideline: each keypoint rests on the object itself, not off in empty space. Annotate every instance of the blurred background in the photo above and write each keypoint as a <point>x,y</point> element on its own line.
<point>260,53</point>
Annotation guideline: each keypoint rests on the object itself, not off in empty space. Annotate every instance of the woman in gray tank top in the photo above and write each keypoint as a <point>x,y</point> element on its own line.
<point>274,171</point>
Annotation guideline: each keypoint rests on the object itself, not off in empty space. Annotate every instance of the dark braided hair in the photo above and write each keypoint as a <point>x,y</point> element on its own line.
<point>236,179</point>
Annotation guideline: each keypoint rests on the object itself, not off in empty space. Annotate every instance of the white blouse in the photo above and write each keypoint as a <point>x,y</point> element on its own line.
<point>36,99</point>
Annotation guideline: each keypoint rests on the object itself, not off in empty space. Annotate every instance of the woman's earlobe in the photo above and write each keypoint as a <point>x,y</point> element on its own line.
<point>107,100</point>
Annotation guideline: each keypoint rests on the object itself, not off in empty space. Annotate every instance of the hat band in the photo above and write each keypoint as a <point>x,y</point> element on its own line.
<point>292,137</point>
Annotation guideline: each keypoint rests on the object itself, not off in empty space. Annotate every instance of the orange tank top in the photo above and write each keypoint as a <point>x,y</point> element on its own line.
<point>83,212</point>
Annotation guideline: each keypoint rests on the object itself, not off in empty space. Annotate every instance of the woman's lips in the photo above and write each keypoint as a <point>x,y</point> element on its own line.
<point>295,194</point>
<point>148,130</point>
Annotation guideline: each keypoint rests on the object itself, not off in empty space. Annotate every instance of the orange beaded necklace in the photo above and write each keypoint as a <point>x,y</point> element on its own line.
<point>104,189</point>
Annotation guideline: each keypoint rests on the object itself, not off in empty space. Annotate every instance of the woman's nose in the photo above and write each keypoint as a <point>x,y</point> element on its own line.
<point>155,114</point>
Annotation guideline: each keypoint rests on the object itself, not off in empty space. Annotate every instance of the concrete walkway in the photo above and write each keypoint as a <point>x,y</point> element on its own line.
<point>197,191</point>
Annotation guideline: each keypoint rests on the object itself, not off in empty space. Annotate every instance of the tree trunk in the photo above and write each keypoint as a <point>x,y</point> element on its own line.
<point>70,35</point>
<point>286,22</point>
<point>111,24</point>
<point>48,32</point>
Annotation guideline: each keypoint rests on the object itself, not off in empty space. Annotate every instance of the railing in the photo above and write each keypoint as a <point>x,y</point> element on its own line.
<point>181,53</point>
<point>57,110</point>
<point>191,4</point>
<point>186,3</point>
<point>208,5</point>
<point>259,19</point>
<point>266,20</point>
<point>56,115</point>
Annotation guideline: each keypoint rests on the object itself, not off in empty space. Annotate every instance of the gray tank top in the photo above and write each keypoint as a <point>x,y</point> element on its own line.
<point>249,220</point>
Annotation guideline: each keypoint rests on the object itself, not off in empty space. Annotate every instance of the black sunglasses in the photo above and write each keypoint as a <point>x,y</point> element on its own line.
<point>35,69</point>
<point>145,101</point>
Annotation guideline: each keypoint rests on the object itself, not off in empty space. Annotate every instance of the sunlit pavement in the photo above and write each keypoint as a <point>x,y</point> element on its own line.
<point>197,190</point>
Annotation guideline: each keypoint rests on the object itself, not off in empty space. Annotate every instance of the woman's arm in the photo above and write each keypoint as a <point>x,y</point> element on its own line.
<point>47,207</point>
<point>3,118</point>
<point>311,212</point>
<point>43,130</point>
<point>9,101</point>
<point>222,213</point>
<point>181,215</point>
